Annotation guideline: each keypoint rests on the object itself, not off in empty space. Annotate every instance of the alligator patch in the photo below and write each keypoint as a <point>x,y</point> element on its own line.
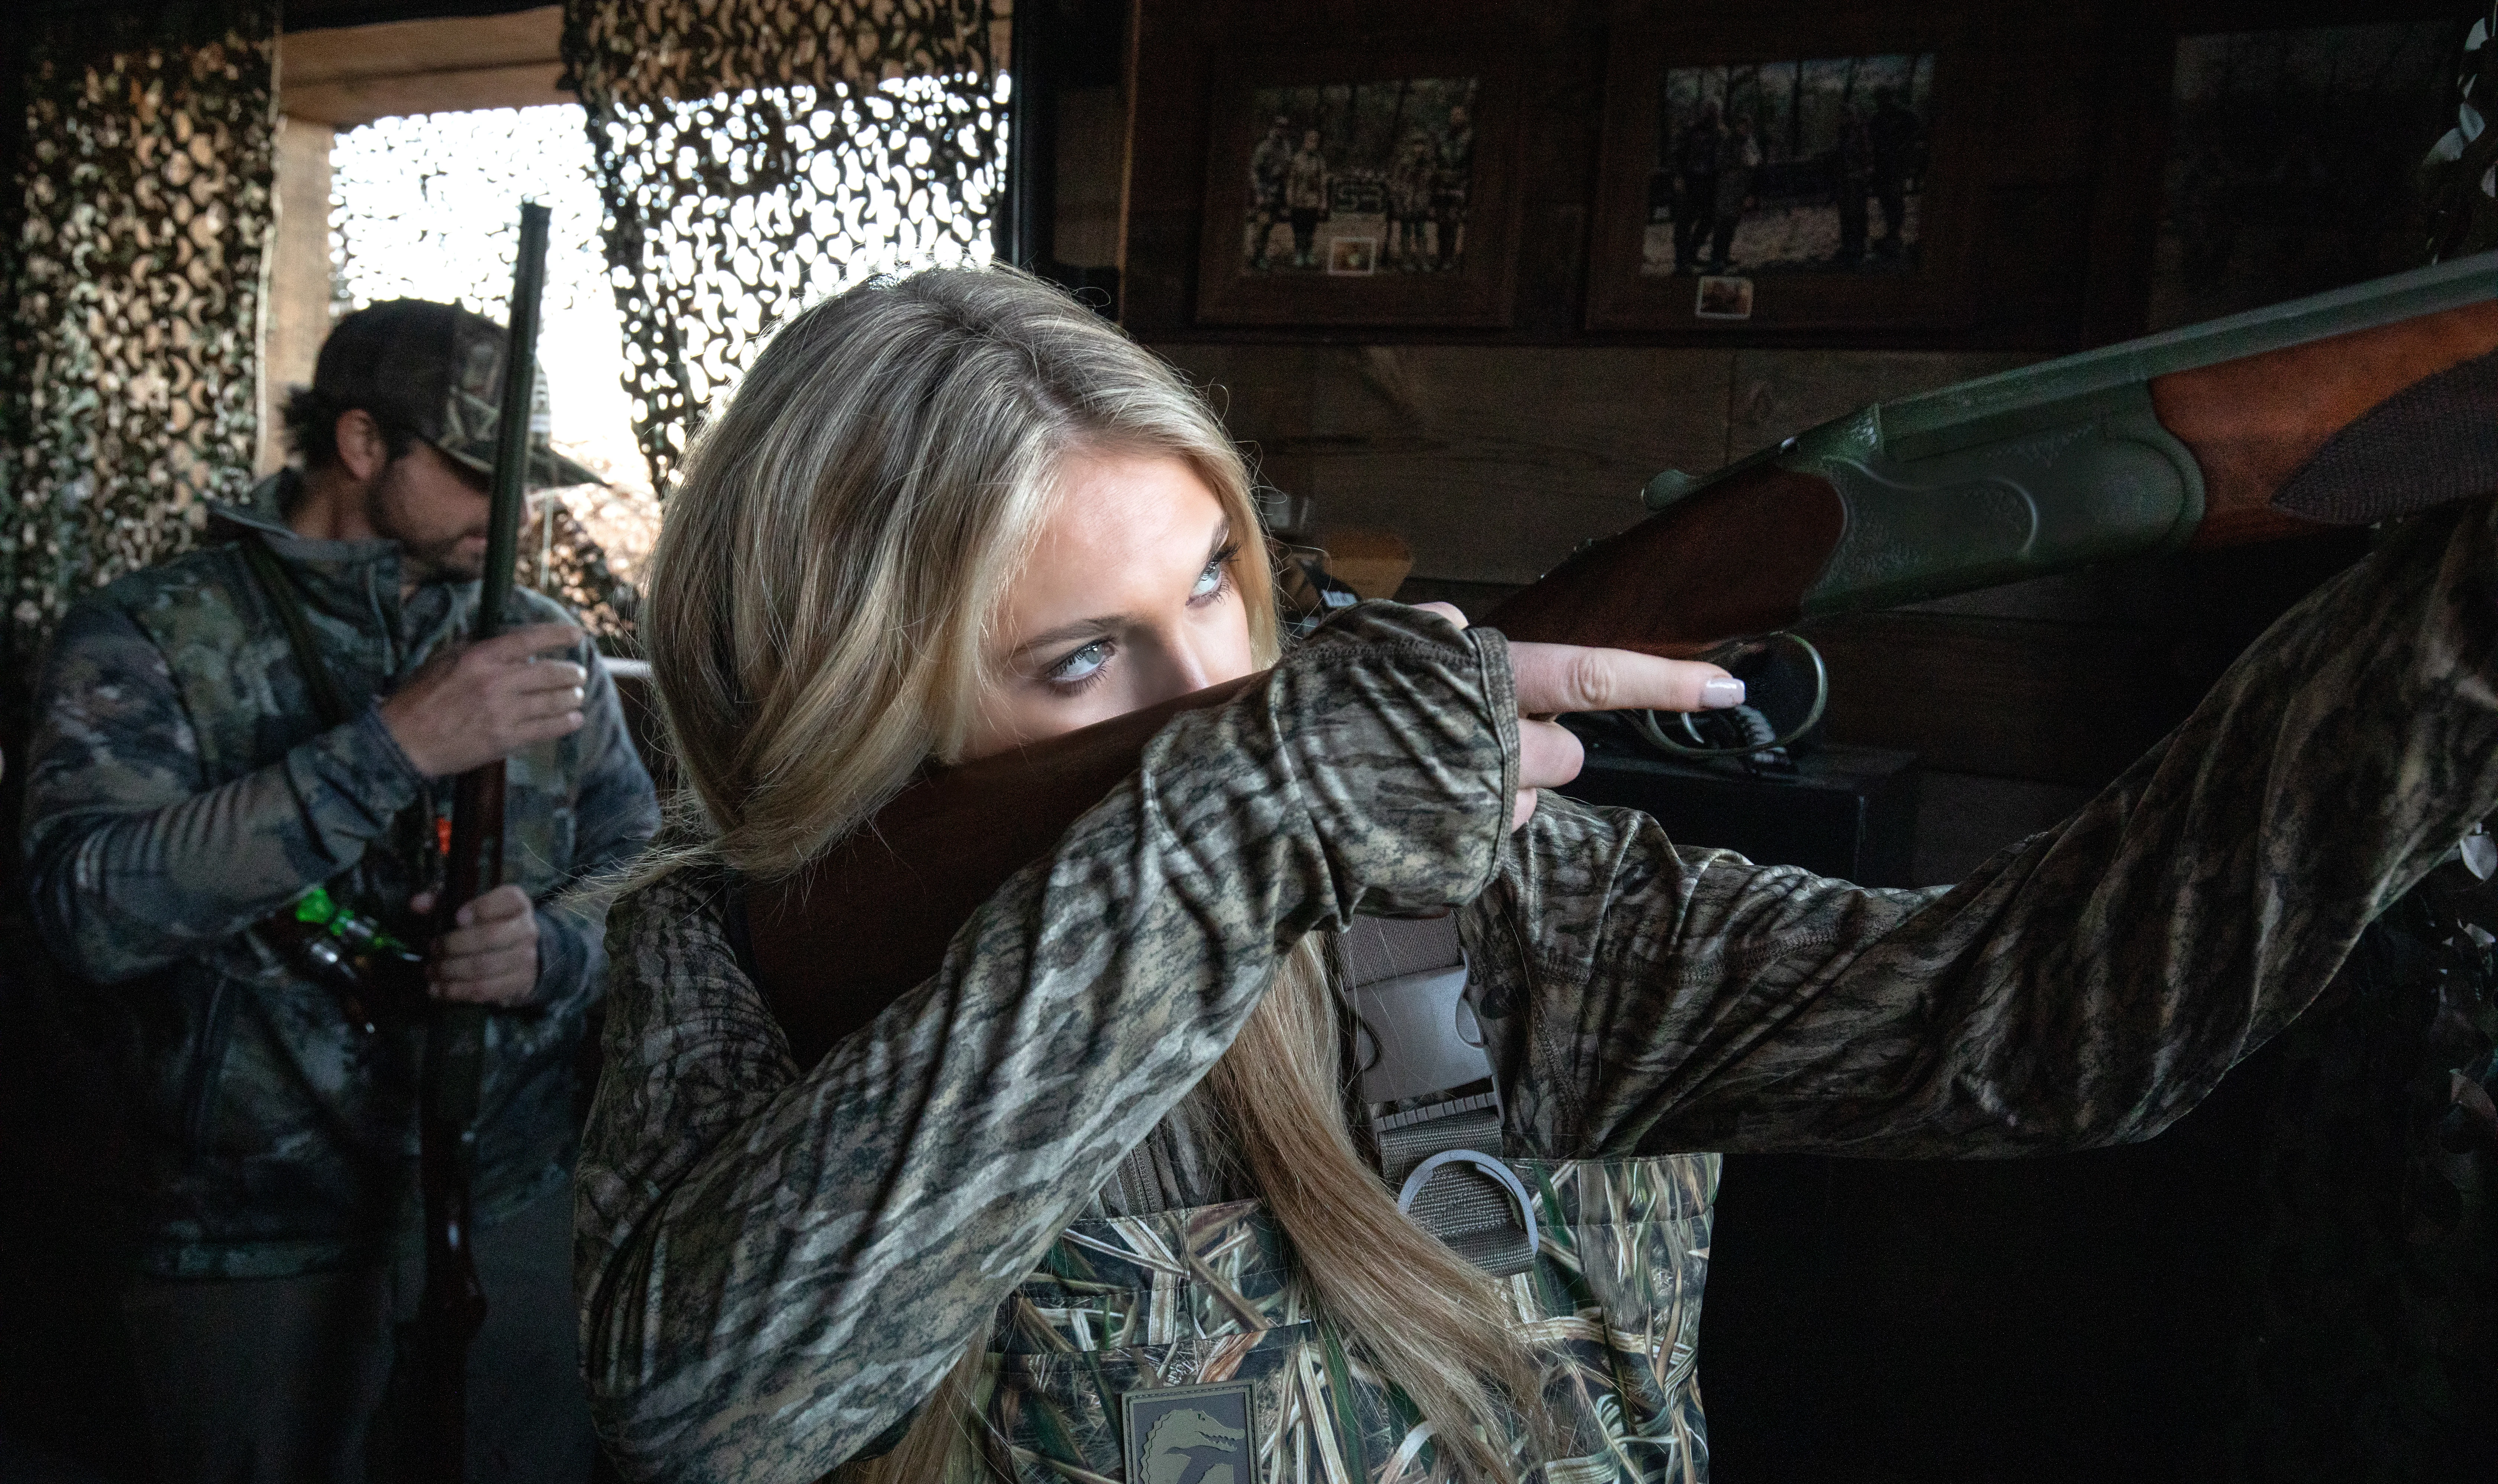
<point>1191,1435</point>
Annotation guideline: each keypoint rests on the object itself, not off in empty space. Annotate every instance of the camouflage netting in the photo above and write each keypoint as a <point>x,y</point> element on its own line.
<point>2459,181</point>
<point>570,566</point>
<point>129,392</point>
<point>757,155</point>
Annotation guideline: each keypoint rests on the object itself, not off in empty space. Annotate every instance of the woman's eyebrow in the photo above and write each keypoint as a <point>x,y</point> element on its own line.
<point>1094,628</point>
<point>1081,628</point>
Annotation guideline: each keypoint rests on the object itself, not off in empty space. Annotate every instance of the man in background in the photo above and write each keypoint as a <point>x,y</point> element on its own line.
<point>1270,165</point>
<point>1451,181</point>
<point>1697,157</point>
<point>1305,197</point>
<point>237,750</point>
<point>1896,133</point>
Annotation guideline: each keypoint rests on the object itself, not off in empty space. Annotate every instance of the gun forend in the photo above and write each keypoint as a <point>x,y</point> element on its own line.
<point>2342,408</point>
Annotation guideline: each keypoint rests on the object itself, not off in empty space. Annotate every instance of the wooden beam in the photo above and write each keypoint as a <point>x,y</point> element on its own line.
<point>353,75</point>
<point>298,316</point>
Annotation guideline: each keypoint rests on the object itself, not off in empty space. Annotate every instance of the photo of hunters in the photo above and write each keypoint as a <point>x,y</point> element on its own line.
<point>1360,177</point>
<point>1797,166</point>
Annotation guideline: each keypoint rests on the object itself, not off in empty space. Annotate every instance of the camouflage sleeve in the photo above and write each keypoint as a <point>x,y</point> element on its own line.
<point>778,1266</point>
<point>615,814</point>
<point>2083,988</point>
<point>131,861</point>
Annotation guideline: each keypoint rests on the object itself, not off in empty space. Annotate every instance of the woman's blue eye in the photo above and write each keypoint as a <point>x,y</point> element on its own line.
<point>1082,664</point>
<point>1210,581</point>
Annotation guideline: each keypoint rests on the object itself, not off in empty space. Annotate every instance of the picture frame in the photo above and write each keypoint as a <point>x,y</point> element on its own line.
<point>2290,158</point>
<point>1371,187</point>
<point>1728,160</point>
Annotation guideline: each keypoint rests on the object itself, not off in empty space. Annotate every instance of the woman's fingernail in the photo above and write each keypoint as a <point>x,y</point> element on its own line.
<point>1719,695</point>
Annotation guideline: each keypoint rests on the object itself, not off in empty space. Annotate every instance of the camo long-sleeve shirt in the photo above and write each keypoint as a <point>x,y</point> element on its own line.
<point>778,1261</point>
<point>182,789</point>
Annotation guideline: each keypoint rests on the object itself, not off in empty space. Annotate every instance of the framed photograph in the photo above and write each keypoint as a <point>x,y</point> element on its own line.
<point>2291,162</point>
<point>1831,181</point>
<point>1371,188</point>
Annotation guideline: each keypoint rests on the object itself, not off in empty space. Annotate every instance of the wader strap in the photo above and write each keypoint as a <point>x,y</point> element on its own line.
<point>1428,1090</point>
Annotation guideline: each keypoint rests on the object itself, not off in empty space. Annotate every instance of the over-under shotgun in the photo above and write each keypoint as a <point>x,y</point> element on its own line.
<point>2343,408</point>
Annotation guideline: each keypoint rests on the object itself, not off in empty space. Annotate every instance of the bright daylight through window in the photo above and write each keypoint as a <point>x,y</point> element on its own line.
<point>425,207</point>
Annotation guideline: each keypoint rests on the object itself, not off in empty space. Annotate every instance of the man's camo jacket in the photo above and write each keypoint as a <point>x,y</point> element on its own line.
<point>778,1262</point>
<point>180,790</point>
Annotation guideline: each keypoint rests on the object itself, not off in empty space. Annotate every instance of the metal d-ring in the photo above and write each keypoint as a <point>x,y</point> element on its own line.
<point>1481,1163</point>
<point>1646,723</point>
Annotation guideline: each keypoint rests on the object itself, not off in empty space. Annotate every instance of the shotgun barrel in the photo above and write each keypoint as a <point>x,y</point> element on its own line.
<point>453,1307</point>
<point>2340,409</point>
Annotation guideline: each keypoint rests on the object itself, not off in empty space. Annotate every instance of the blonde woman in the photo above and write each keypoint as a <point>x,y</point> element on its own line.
<point>1108,1160</point>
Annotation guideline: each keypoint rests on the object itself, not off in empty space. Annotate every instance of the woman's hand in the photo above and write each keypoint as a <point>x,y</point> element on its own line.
<point>1554,678</point>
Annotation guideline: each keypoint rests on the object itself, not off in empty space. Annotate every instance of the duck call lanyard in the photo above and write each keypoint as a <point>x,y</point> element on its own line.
<point>1429,1091</point>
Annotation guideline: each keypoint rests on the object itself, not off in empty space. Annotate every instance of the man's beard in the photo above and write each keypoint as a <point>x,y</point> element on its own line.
<point>420,561</point>
<point>439,561</point>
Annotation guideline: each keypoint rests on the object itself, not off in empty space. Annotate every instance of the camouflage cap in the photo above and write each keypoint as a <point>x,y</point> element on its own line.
<point>439,370</point>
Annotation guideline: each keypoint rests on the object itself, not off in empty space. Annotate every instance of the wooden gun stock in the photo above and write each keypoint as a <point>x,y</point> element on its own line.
<point>2346,431</point>
<point>2342,408</point>
<point>839,941</point>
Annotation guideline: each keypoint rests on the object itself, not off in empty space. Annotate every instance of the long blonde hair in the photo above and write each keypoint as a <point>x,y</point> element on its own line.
<point>819,597</point>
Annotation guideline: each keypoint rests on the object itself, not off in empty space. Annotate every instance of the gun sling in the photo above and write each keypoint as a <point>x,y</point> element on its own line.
<point>278,590</point>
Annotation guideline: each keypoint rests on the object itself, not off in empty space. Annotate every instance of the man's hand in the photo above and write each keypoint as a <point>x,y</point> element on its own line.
<point>467,707</point>
<point>491,955</point>
<point>1554,678</point>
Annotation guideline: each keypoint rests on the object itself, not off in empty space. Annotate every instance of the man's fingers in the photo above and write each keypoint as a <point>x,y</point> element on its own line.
<point>545,728</point>
<point>538,705</point>
<point>492,957</point>
<point>1449,611</point>
<point>521,643</point>
<point>486,938</point>
<point>482,968</point>
<point>1555,678</point>
<point>505,992</point>
<point>548,676</point>
<point>504,902</point>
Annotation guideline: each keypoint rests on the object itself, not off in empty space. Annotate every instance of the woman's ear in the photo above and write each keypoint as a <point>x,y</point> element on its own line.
<point>363,451</point>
